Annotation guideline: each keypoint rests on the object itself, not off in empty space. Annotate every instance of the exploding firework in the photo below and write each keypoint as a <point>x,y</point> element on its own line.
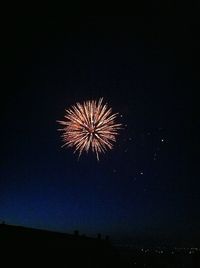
<point>90,126</point>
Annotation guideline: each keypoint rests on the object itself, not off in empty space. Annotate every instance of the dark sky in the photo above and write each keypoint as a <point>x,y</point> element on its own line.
<point>144,67</point>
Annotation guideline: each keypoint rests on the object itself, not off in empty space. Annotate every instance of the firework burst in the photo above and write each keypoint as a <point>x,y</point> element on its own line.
<point>89,126</point>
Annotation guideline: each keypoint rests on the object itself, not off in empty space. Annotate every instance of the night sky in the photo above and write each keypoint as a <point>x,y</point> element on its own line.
<point>144,68</point>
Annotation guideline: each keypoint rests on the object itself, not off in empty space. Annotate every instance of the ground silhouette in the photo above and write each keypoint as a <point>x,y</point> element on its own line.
<point>39,247</point>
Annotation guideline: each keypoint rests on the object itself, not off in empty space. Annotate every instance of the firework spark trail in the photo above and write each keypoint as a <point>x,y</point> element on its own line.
<point>90,125</point>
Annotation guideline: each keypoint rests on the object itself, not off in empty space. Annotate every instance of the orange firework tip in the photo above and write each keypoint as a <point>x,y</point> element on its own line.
<point>89,126</point>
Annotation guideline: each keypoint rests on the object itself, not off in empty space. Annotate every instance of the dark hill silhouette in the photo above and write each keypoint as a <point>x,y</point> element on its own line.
<point>36,247</point>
